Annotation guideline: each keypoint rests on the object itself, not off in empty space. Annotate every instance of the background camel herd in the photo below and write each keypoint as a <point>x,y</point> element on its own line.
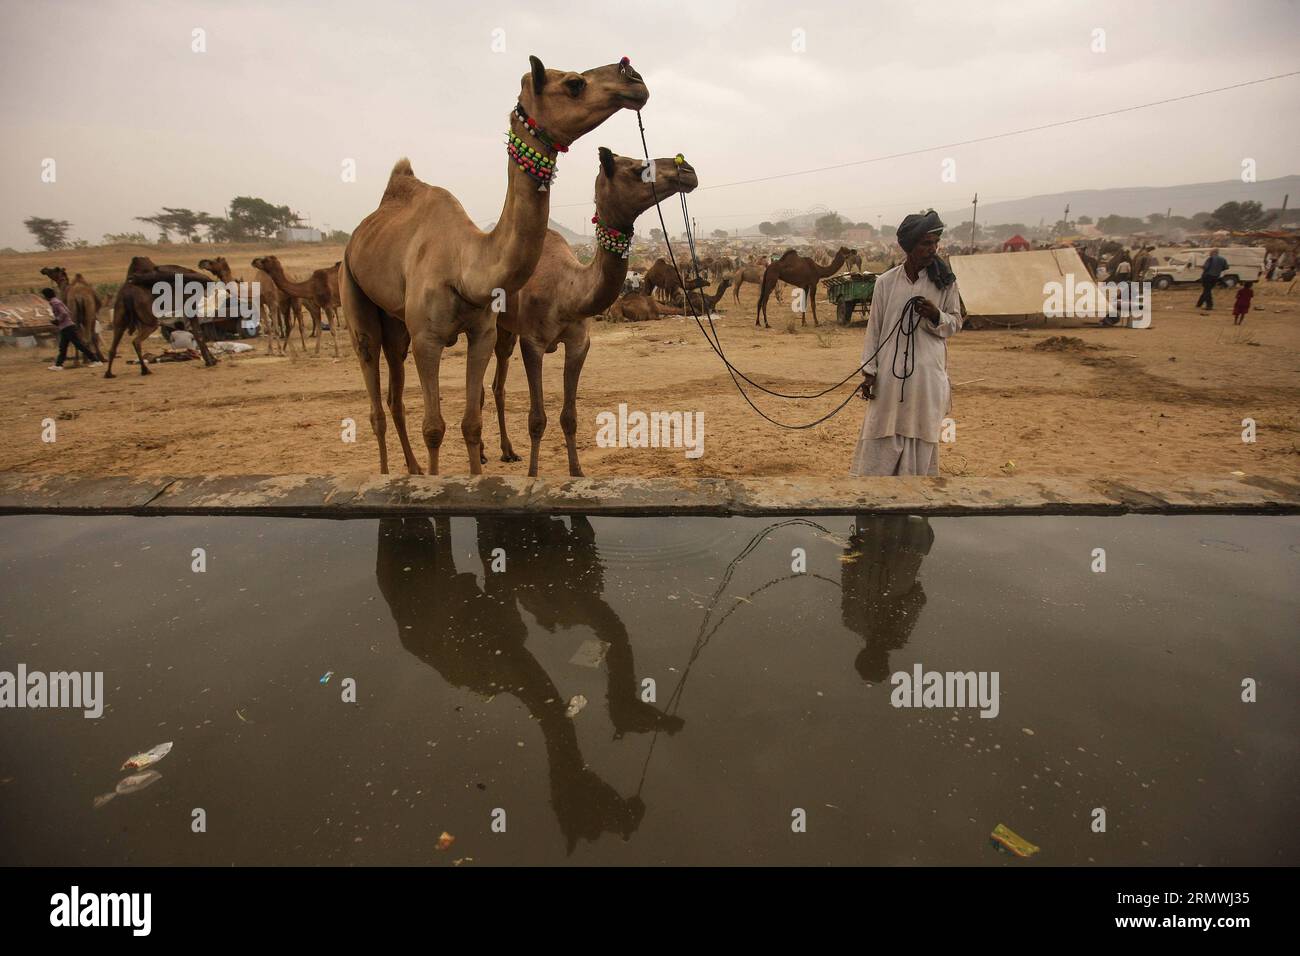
<point>417,274</point>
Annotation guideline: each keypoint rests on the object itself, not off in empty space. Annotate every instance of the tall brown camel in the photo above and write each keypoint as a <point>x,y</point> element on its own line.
<point>83,302</point>
<point>661,278</point>
<point>417,273</point>
<point>269,299</point>
<point>313,292</point>
<point>557,303</point>
<point>134,309</point>
<point>802,273</point>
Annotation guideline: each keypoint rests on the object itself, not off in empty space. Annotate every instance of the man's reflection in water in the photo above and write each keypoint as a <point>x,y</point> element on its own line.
<point>474,638</point>
<point>881,596</point>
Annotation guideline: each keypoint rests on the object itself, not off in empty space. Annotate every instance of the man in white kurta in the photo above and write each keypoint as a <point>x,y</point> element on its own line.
<point>900,435</point>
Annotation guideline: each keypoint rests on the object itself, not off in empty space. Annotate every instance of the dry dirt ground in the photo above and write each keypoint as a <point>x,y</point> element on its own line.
<point>1160,403</point>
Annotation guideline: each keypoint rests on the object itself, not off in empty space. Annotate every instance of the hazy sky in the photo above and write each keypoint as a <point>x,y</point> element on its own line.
<point>135,120</point>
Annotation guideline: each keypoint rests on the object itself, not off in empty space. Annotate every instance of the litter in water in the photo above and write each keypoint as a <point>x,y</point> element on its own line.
<point>575,706</point>
<point>148,758</point>
<point>1011,841</point>
<point>326,678</point>
<point>445,841</point>
<point>589,654</point>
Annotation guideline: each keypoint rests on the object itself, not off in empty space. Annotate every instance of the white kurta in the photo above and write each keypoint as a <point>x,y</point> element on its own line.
<point>901,437</point>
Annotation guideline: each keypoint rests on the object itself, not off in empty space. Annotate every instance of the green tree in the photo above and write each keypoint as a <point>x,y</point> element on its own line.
<point>1239,217</point>
<point>1119,225</point>
<point>111,238</point>
<point>50,233</point>
<point>1084,220</point>
<point>1005,230</point>
<point>830,226</point>
<point>251,217</point>
<point>766,228</point>
<point>657,234</point>
<point>719,234</point>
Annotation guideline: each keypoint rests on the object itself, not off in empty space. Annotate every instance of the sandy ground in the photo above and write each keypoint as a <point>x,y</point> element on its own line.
<point>1164,402</point>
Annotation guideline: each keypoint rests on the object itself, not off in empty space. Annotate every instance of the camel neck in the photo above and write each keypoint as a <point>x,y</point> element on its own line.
<point>603,279</point>
<point>511,250</point>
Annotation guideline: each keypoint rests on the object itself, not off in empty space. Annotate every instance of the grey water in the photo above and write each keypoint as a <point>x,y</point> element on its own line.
<point>739,683</point>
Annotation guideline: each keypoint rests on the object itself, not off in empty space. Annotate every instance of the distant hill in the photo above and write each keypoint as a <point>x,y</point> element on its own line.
<point>1139,201</point>
<point>569,235</point>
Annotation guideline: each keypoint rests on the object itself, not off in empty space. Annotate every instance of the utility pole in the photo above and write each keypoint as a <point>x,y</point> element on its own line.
<point>1065,223</point>
<point>1285,200</point>
<point>974,211</point>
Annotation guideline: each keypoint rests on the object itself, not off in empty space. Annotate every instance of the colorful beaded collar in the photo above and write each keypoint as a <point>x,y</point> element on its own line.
<point>527,157</point>
<point>611,240</point>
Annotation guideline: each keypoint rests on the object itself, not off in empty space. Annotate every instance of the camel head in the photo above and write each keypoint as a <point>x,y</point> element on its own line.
<point>623,191</point>
<point>568,105</point>
<point>56,274</point>
<point>140,264</point>
<point>219,267</point>
<point>267,264</point>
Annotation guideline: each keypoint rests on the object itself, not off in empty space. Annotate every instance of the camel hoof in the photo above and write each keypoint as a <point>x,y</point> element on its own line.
<point>109,375</point>
<point>510,456</point>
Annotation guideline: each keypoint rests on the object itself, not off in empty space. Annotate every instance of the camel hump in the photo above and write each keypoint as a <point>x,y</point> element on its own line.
<point>400,180</point>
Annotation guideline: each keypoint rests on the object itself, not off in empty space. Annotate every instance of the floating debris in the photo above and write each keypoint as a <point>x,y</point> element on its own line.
<point>1011,841</point>
<point>326,678</point>
<point>589,654</point>
<point>445,841</point>
<point>149,757</point>
<point>128,785</point>
<point>576,703</point>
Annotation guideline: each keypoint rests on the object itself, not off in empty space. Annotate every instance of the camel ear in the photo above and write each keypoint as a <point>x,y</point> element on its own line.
<point>539,74</point>
<point>607,161</point>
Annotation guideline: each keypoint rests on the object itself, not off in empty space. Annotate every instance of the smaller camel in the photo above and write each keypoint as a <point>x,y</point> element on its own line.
<point>661,278</point>
<point>83,302</point>
<point>313,292</point>
<point>135,311</point>
<point>802,273</point>
<point>268,297</point>
<point>639,307</point>
<point>750,273</point>
<point>702,303</point>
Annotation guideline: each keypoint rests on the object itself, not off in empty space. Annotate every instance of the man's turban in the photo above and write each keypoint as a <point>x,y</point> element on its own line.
<point>917,226</point>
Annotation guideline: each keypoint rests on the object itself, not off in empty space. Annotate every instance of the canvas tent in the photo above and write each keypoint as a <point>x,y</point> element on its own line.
<point>1003,290</point>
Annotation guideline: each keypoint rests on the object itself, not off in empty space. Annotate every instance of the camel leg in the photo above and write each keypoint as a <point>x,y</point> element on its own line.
<point>302,331</point>
<point>536,409</point>
<point>141,334</point>
<point>367,340</point>
<point>428,362</point>
<point>314,310</point>
<point>505,348</point>
<point>396,343</point>
<point>118,331</point>
<point>813,295</point>
<point>576,346</point>
<point>480,340</point>
<point>334,322</point>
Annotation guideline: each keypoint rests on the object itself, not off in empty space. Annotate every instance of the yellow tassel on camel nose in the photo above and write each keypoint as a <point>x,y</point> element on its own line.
<point>679,159</point>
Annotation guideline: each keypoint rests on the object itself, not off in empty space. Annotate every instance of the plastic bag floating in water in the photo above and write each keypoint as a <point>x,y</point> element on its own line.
<point>148,758</point>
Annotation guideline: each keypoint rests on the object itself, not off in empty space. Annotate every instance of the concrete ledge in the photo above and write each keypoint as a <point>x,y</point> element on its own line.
<point>327,496</point>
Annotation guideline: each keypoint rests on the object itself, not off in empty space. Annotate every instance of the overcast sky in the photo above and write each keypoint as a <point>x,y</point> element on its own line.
<point>286,91</point>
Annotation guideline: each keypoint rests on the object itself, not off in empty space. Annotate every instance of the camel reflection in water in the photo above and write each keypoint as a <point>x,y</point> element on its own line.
<point>881,597</point>
<point>474,637</point>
